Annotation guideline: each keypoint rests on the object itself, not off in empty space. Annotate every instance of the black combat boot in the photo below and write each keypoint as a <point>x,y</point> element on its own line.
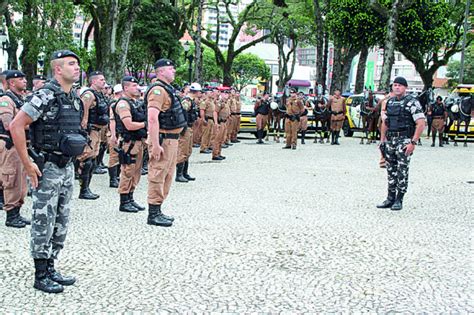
<point>303,134</point>
<point>389,201</point>
<point>1,199</point>
<point>433,137</point>
<point>398,204</point>
<point>441,139</point>
<point>56,276</point>
<point>185,172</point>
<point>333,136</point>
<point>113,177</point>
<point>155,217</point>
<point>76,169</point>
<point>337,137</point>
<point>100,157</point>
<point>126,205</point>
<point>14,219</point>
<point>179,173</point>
<point>42,280</point>
<point>136,205</point>
<point>260,136</point>
<point>85,179</point>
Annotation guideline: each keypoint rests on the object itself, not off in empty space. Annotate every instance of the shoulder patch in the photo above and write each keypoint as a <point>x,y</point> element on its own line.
<point>122,105</point>
<point>156,92</point>
<point>87,95</point>
<point>4,104</point>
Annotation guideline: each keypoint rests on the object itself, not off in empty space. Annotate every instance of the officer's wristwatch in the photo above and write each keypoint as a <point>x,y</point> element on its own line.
<point>413,142</point>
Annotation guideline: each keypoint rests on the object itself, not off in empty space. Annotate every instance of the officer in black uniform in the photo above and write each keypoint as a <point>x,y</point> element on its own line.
<point>400,132</point>
<point>54,116</point>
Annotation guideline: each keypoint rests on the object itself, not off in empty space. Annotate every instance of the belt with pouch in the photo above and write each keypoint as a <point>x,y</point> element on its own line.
<point>174,136</point>
<point>337,113</point>
<point>60,160</point>
<point>398,134</point>
<point>235,113</point>
<point>438,117</point>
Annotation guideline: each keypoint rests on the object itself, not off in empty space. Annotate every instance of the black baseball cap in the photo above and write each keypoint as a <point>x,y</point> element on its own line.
<point>59,54</point>
<point>163,63</point>
<point>94,73</point>
<point>13,74</point>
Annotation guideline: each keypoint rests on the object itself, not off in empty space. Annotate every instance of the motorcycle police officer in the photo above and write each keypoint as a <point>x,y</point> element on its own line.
<point>54,116</point>
<point>262,109</point>
<point>400,132</point>
<point>95,119</point>
<point>130,122</point>
<point>166,120</point>
<point>185,145</point>
<point>12,175</point>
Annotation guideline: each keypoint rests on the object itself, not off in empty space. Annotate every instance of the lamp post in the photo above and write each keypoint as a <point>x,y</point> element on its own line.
<point>190,58</point>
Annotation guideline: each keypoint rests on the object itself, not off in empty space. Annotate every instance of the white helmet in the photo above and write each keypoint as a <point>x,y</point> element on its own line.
<point>196,87</point>
<point>118,88</point>
<point>273,105</point>
<point>455,108</point>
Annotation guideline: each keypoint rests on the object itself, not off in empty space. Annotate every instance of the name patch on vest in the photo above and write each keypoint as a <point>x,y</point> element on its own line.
<point>4,104</point>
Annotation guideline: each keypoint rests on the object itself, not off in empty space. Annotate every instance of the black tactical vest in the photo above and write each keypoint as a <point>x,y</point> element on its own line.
<point>264,108</point>
<point>58,130</point>
<point>399,117</point>
<point>99,114</point>
<point>175,116</point>
<point>192,113</point>
<point>438,110</point>
<point>19,101</point>
<point>138,115</point>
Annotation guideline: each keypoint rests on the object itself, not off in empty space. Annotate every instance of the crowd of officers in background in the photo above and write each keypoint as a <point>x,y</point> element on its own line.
<point>115,118</point>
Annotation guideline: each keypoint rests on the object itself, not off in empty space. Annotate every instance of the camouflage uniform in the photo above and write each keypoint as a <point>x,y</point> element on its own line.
<point>396,161</point>
<point>52,197</point>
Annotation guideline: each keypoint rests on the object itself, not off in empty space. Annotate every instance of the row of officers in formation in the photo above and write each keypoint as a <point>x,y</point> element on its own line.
<point>60,130</point>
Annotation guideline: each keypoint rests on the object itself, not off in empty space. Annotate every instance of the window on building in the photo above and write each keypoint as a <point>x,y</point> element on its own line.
<point>397,71</point>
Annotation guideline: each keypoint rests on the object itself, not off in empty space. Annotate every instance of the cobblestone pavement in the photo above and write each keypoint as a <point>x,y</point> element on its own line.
<point>267,231</point>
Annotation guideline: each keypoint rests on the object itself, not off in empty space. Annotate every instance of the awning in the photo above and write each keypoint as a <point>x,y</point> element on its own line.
<point>302,83</point>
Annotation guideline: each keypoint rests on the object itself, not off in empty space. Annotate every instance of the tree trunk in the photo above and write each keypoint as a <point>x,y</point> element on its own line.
<point>29,55</point>
<point>319,41</point>
<point>12,62</point>
<point>325,61</point>
<point>125,38</point>
<point>227,67</point>
<point>197,44</point>
<point>346,68</point>
<point>336,68</point>
<point>389,46</point>
<point>360,76</point>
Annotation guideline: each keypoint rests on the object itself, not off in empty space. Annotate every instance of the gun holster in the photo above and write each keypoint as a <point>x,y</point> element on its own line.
<point>125,157</point>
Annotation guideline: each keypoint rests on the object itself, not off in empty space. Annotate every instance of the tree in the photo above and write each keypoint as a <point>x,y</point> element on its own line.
<point>211,72</point>
<point>454,68</point>
<point>320,9</point>
<point>247,67</point>
<point>390,11</point>
<point>430,33</point>
<point>45,26</point>
<point>255,15</point>
<point>354,26</point>
<point>112,22</point>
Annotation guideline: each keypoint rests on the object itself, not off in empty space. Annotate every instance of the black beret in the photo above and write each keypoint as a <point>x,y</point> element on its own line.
<point>5,72</point>
<point>163,63</point>
<point>12,74</point>
<point>401,80</point>
<point>129,78</point>
<point>59,54</point>
<point>93,73</point>
<point>39,77</point>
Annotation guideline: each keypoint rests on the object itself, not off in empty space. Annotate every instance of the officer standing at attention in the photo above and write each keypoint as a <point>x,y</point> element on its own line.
<point>206,110</point>
<point>130,120</point>
<point>337,105</point>
<point>12,174</point>
<point>95,118</point>
<point>114,165</point>
<point>55,117</point>
<point>166,120</point>
<point>399,133</point>
<point>294,108</point>
<point>262,109</point>
<point>38,82</point>
<point>438,115</point>
<point>185,145</point>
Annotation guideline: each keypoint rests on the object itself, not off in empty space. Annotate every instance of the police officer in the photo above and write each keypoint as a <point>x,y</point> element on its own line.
<point>185,145</point>
<point>95,118</point>
<point>166,120</point>
<point>207,110</point>
<point>3,82</point>
<point>337,105</point>
<point>400,132</point>
<point>294,109</point>
<point>262,109</point>
<point>303,127</point>
<point>438,114</point>
<point>220,131</point>
<point>114,165</point>
<point>53,114</point>
<point>12,174</point>
<point>38,82</point>
<point>236,114</point>
<point>130,120</point>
